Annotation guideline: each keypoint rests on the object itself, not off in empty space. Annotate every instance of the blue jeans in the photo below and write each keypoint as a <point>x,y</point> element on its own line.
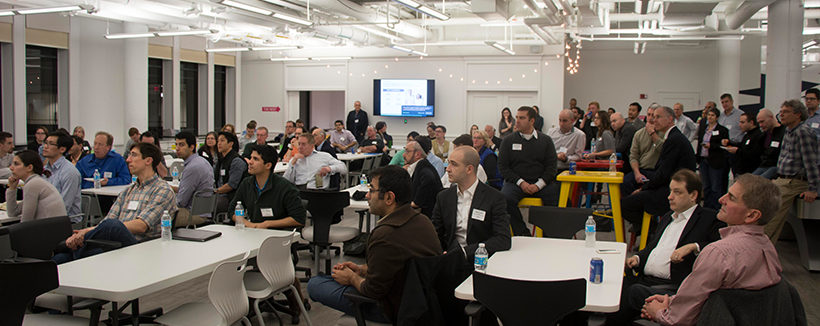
<point>768,173</point>
<point>324,289</point>
<point>549,197</point>
<point>109,229</point>
<point>712,184</point>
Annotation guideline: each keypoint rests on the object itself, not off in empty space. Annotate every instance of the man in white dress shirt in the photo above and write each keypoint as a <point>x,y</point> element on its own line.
<point>309,166</point>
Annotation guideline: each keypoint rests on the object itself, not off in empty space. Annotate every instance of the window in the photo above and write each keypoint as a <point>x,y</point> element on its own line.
<point>220,83</point>
<point>41,89</point>
<point>155,96</point>
<point>189,94</point>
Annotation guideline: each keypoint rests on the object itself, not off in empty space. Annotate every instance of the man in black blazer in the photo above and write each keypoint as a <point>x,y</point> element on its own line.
<point>750,149</point>
<point>668,259</point>
<point>676,154</point>
<point>470,212</point>
<point>624,133</point>
<point>426,182</point>
<point>322,143</point>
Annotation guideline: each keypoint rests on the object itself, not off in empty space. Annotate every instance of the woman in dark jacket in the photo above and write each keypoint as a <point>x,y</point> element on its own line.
<point>711,158</point>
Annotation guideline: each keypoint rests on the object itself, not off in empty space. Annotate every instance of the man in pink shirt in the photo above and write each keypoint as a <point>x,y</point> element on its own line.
<point>743,259</point>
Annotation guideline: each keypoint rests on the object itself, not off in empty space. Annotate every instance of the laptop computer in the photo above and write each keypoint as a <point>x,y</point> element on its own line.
<point>194,235</point>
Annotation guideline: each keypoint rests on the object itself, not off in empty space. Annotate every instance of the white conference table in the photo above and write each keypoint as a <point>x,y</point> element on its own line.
<point>105,190</point>
<point>545,259</point>
<point>126,274</point>
<point>348,157</point>
<point>5,219</point>
<point>359,205</point>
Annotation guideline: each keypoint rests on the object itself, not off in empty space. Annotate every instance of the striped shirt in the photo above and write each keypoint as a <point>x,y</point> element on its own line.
<point>743,259</point>
<point>145,201</point>
<point>799,155</point>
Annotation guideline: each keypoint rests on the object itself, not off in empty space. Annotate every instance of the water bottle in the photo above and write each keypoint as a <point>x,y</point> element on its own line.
<point>239,213</point>
<point>481,257</point>
<point>133,179</point>
<point>175,175</point>
<point>363,182</point>
<point>97,184</point>
<point>589,230</point>
<point>166,226</point>
<point>592,147</point>
<point>613,161</point>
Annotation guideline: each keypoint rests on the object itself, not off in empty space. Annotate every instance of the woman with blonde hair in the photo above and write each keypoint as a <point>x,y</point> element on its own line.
<point>489,160</point>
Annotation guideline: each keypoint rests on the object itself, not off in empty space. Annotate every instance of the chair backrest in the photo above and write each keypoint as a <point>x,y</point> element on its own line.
<point>367,165</point>
<point>275,262</point>
<point>778,304</point>
<point>227,290</point>
<point>559,222</point>
<point>22,282</point>
<point>85,205</point>
<point>38,238</point>
<point>168,159</point>
<point>202,204</point>
<point>5,245</point>
<point>517,302</point>
<point>377,160</point>
<point>322,205</point>
<point>428,290</point>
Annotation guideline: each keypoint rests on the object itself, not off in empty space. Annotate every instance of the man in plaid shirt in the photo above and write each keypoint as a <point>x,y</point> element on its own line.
<point>135,215</point>
<point>797,164</point>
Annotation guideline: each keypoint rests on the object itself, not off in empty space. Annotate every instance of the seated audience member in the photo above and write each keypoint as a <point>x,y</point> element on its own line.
<point>578,114</point>
<point>528,162</point>
<point>371,144</point>
<point>308,165</point>
<point>441,147</point>
<point>569,141</point>
<point>342,139</point>
<point>712,158</point>
<point>633,115</point>
<point>248,135</point>
<point>773,133</point>
<point>64,176</point>
<point>643,155</point>
<point>471,212</point>
<point>112,167</point>
<point>398,159</point>
<point>245,132</point>
<point>293,147</point>
<point>133,137</point>
<point>464,140</point>
<point>676,154</point>
<point>539,120</point>
<point>431,130</point>
<point>290,133</point>
<point>137,212</point>
<point>197,176</point>
<point>624,133</point>
<point>488,160</point>
<point>151,138</point>
<point>229,128</point>
<point>270,201</point>
<point>381,133</point>
<point>496,141</point>
<point>400,235</point>
<point>40,198</point>
<point>6,154</point>
<point>75,153</point>
<point>260,139</point>
<point>39,138</point>
<point>604,139</point>
<point>750,149</point>
<point>588,125</point>
<point>228,171</point>
<point>742,259</point>
<point>79,131</point>
<point>322,143</point>
<point>682,234</point>
<point>426,183</point>
<point>427,145</point>
<point>208,151</point>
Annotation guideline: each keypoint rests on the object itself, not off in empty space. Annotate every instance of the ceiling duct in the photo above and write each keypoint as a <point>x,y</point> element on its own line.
<point>534,24</point>
<point>491,10</point>
<point>373,18</point>
<point>744,12</point>
<point>685,14</point>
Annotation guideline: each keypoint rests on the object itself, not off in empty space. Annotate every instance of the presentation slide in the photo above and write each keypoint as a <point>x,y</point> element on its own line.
<point>404,97</point>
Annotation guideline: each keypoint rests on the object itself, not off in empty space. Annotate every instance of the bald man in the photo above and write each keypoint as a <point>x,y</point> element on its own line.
<point>569,141</point>
<point>624,133</point>
<point>773,133</point>
<point>490,130</point>
<point>472,212</point>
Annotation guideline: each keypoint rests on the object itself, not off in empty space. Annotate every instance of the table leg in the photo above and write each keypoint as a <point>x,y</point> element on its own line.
<point>135,312</point>
<point>565,187</point>
<point>114,314</point>
<point>617,219</point>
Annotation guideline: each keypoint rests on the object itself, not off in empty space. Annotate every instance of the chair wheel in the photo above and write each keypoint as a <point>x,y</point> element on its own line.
<point>294,320</point>
<point>307,304</point>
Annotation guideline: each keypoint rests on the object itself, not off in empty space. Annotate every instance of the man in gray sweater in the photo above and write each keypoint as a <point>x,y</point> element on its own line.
<point>528,163</point>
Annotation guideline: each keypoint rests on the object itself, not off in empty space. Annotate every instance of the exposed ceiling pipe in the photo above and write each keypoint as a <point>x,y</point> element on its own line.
<point>369,15</point>
<point>350,33</point>
<point>744,12</point>
<point>569,12</point>
<point>807,14</point>
<point>548,14</point>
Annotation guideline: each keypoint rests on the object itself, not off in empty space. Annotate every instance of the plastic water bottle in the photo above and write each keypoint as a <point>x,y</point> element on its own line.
<point>175,175</point>
<point>589,230</point>
<point>239,213</point>
<point>363,182</point>
<point>481,257</point>
<point>133,179</point>
<point>166,226</point>
<point>97,184</point>
<point>613,161</point>
<point>592,146</point>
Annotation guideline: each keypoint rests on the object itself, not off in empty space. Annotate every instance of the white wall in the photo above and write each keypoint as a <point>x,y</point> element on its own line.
<point>323,106</point>
<point>263,82</point>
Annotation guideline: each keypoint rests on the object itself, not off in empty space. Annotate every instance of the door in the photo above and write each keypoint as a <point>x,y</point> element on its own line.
<point>484,108</point>
<point>690,100</point>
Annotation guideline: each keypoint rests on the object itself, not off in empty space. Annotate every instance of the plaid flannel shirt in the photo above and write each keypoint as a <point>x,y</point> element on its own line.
<point>799,155</point>
<point>153,197</point>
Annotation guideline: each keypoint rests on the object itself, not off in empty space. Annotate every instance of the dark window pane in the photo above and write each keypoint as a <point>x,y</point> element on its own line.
<point>189,97</point>
<point>41,89</point>
<point>155,96</point>
<point>220,84</point>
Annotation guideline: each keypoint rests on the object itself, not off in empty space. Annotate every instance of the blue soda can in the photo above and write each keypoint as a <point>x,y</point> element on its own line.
<point>596,270</point>
<point>573,167</point>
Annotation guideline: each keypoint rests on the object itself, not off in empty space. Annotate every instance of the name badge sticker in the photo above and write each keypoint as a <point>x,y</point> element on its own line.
<point>716,133</point>
<point>747,141</point>
<point>222,172</point>
<point>775,144</point>
<point>729,127</point>
<point>133,205</point>
<point>267,212</point>
<point>478,214</point>
<point>516,147</point>
<point>107,175</point>
<point>815,125</point>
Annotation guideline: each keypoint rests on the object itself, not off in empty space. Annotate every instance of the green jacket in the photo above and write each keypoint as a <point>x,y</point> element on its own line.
<point>278,194</point>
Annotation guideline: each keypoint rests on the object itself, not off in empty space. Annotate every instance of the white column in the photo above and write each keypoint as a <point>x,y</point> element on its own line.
<point>210,123</point>
<point>75,116</point>
<point>176,75</point>
<point>136,79</point>
<point>784,56</point>
<point>238,93</point>
<point>728,69</point>
<point>19,73</point>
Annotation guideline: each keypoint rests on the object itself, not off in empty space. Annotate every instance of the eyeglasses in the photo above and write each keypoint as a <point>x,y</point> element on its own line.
<point>50,143</point>
<point>810,98</point>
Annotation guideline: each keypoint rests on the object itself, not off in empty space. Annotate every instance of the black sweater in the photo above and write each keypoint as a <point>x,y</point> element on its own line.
<point>530,160</point>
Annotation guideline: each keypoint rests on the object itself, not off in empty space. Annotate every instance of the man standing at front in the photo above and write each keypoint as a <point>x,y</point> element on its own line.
<point>64,176</point>
<point>742,259</point>
<point>309,167</point>
<point>568,140</point>
<point>401,234</point>
<point>797,164</point>
<point>112,167</point>
<point>528,162</point>
<point>357,121</point>
<point>197,176</point>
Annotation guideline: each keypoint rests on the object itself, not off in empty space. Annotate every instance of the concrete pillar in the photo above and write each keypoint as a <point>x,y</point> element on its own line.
<point>135,63</point>
<point>728,69</point>
<point>784,56</point>
<point>176,77</point>
<point>19,79</point>
<point>210,122</point>
<point>75,116</point>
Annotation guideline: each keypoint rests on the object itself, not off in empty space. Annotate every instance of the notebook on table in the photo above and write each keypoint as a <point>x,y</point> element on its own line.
<point>194,235</point>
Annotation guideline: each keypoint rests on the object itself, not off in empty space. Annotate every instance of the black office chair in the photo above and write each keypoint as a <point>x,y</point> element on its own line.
<point>559,222</point>
<point>23,281</point>
<point>322,205</point>
<point>778,304</point>
<point>517,302</point>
